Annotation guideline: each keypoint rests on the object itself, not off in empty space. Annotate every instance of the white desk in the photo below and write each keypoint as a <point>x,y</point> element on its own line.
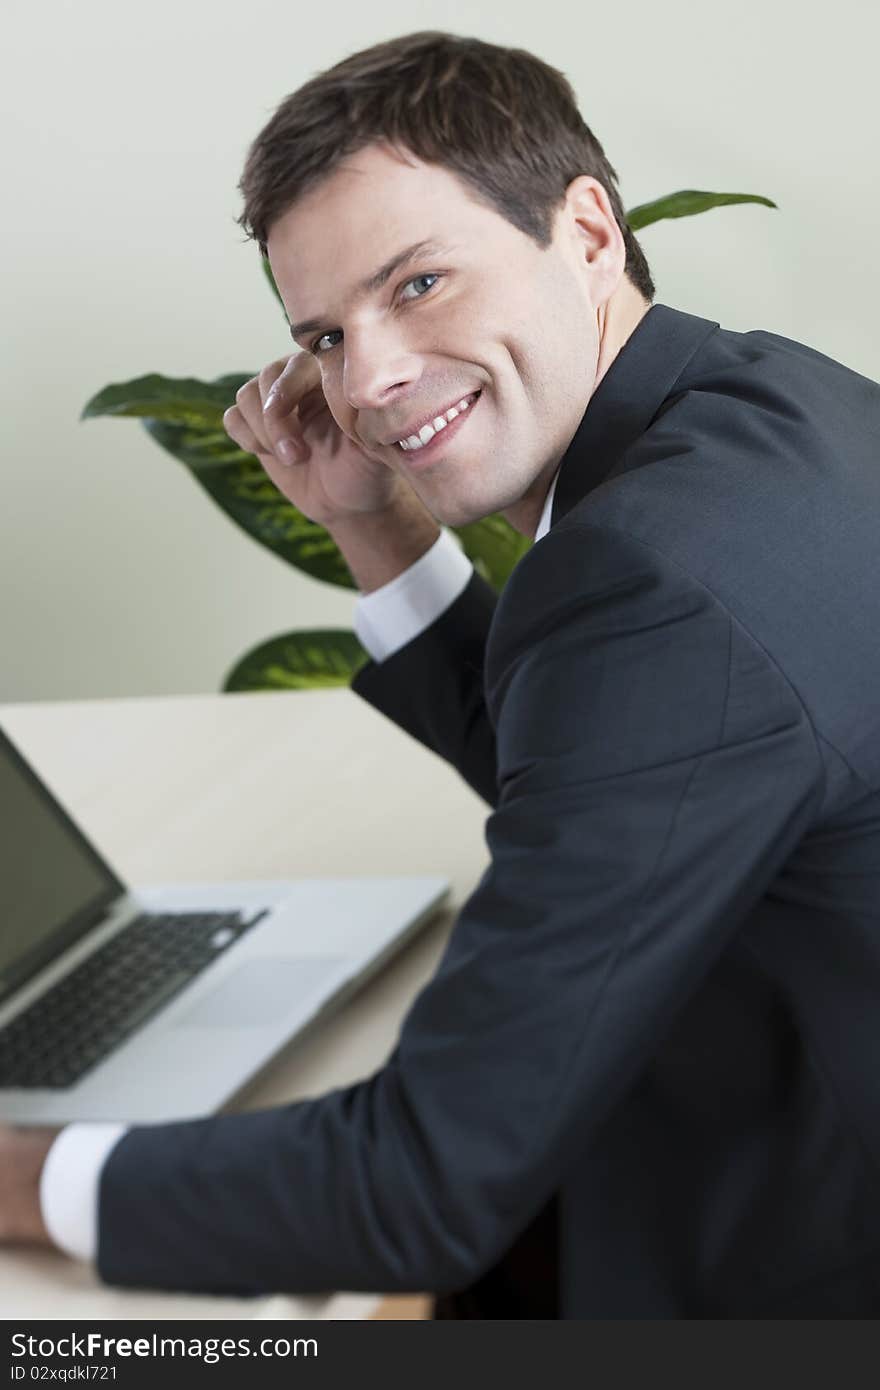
<point>305,784</point>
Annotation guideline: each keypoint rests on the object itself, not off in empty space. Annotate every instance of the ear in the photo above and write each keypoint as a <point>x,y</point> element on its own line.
<point>595,239</point>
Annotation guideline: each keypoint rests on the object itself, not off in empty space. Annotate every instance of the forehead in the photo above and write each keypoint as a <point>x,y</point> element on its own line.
<point>374,203</point>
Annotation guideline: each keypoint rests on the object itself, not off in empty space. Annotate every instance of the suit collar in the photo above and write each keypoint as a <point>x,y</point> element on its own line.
<point>627,399</point>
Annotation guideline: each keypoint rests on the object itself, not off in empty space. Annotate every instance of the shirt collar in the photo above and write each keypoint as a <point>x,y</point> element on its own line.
<point>544,523</point>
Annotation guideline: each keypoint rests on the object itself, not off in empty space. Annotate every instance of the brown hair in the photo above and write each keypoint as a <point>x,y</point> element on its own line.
<point>501,119</point>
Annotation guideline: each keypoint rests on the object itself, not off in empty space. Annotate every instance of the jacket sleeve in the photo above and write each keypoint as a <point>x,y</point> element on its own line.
<point>433,687</point>
<point>655,770</point>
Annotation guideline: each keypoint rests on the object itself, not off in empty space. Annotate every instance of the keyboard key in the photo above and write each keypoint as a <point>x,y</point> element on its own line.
<point>74,1025</point>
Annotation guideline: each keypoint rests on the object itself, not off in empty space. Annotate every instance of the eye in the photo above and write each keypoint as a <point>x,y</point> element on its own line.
<point>415,281</point>
<point>314,346</point>
<point>432,275</point>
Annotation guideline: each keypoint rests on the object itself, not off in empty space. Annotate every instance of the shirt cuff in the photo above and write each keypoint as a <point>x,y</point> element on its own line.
<point>393,615</point>
<point>69,1186</point>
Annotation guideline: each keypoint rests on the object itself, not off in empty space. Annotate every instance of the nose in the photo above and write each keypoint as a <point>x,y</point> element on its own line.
<point>377,366</point>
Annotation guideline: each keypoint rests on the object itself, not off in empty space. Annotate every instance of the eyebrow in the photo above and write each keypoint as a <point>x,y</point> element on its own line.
<point>375,281</point>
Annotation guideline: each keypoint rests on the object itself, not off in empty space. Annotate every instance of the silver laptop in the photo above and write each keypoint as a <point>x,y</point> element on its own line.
<point>160,1002</point>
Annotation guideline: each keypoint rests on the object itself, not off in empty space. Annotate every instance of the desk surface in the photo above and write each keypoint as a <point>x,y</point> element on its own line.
<point>305,784</point>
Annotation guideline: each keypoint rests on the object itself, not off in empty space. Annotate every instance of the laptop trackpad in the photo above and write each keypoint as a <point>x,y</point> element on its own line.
<point>259,991</point>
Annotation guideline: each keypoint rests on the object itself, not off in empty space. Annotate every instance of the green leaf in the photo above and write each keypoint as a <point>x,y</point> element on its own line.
<point>494,548</point>
<point>686,203</point>
<point>240,486</point>
<point>185,417</point>
<point>307,660</point>
<point>182,399</point>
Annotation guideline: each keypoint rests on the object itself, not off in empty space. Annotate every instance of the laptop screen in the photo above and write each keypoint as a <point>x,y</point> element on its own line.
<point>53,885</point>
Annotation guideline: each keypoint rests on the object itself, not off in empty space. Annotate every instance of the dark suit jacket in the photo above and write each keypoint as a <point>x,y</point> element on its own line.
<point>658,1015</point>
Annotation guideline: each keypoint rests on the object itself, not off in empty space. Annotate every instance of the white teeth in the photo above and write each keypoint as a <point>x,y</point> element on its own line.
<point>427,432</point>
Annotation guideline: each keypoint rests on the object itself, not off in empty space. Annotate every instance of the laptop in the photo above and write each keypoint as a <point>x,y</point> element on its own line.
<point>160,1002</point>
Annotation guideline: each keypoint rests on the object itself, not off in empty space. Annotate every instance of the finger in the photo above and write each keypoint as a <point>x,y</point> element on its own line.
<point>272,380</point>
<point>240,432</point>
<point>284,393</point>
<point>249,408</point>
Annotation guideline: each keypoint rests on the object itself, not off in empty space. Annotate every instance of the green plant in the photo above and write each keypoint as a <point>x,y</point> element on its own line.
<point>185,417</point>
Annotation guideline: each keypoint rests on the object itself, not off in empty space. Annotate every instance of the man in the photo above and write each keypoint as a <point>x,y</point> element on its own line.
<point>641,1083</point>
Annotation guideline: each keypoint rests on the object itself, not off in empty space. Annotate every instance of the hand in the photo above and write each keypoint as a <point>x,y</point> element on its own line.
<point>331,478</point>
<point>22,1155</point>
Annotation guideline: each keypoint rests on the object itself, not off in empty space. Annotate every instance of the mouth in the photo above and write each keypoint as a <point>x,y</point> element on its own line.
<point>426,444</point>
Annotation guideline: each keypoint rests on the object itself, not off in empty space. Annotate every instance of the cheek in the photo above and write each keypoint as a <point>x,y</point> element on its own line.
<point>517,326</point>
<point>560,349</point>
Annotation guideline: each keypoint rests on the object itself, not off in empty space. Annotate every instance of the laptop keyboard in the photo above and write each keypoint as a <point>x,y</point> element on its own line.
<point>121,985</point>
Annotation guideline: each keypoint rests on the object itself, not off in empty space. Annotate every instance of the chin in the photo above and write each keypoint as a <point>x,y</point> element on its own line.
<point>451,513</point>
<point>452,503</point>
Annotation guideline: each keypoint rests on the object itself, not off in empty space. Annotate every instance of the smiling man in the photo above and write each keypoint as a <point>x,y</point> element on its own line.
<point>641,1082</point>
<point>485,321</point>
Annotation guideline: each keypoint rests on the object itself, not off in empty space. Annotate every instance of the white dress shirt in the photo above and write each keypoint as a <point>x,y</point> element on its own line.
<point>384,621</point>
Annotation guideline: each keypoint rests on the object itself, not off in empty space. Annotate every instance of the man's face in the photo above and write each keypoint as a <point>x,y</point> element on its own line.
<point>488,311</point>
